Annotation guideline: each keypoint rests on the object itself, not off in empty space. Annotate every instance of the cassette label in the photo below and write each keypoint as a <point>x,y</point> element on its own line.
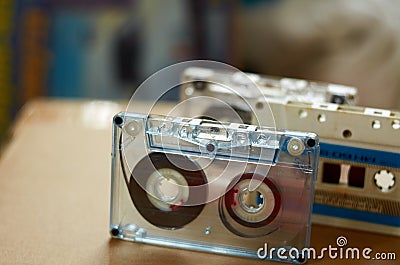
<point>205,185</point>
<point>360,155</point>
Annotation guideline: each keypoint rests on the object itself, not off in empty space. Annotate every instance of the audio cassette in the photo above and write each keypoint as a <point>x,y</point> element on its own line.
<point>233,87</point>
<point>212,186</point>
<point>358,183</point>
<point>359,168</point>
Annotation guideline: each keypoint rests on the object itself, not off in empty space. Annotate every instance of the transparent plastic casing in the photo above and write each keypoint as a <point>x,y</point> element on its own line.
<point>219,213</point>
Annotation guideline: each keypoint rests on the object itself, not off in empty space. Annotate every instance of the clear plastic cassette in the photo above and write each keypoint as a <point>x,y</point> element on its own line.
<point>359,168</point>
<point>211,186</point>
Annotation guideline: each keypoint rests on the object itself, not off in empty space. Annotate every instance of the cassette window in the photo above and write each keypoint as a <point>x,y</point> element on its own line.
<point>331,173</point>
<point>337,173</point>
<point>356,176</point>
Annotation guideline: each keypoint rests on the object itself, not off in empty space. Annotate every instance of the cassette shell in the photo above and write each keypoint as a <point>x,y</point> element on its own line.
<point>289,181</point>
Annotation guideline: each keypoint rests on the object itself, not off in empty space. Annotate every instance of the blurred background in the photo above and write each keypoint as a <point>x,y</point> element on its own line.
<point>103,49</point>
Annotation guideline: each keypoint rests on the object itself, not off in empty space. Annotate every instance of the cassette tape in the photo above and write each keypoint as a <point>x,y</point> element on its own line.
<point>203,185</point>
<point>205,82</point>
<point>357,185</point>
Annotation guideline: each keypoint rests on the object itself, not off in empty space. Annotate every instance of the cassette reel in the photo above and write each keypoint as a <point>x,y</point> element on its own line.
<point>205,185</point>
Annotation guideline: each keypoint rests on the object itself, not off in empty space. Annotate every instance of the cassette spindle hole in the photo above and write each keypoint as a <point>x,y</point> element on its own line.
<point>346,133</point>
<point>384,180</point>
<point>249,213</point>
<point>163,195</point>
<point>251,201</point>
<point>167,189</point>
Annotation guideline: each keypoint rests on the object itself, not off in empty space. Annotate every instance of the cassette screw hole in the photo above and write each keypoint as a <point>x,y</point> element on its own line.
<point>207,231</point>
<point>118,120</point>
<point>259,105</point>
<point>376,124</point>
<point>347,133</point>
<point>311,142</point>
<point>115,231</point>
<point>199,85</point>
<point>210,147</point>
<point>396,124</point>
<point>303,114</point>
